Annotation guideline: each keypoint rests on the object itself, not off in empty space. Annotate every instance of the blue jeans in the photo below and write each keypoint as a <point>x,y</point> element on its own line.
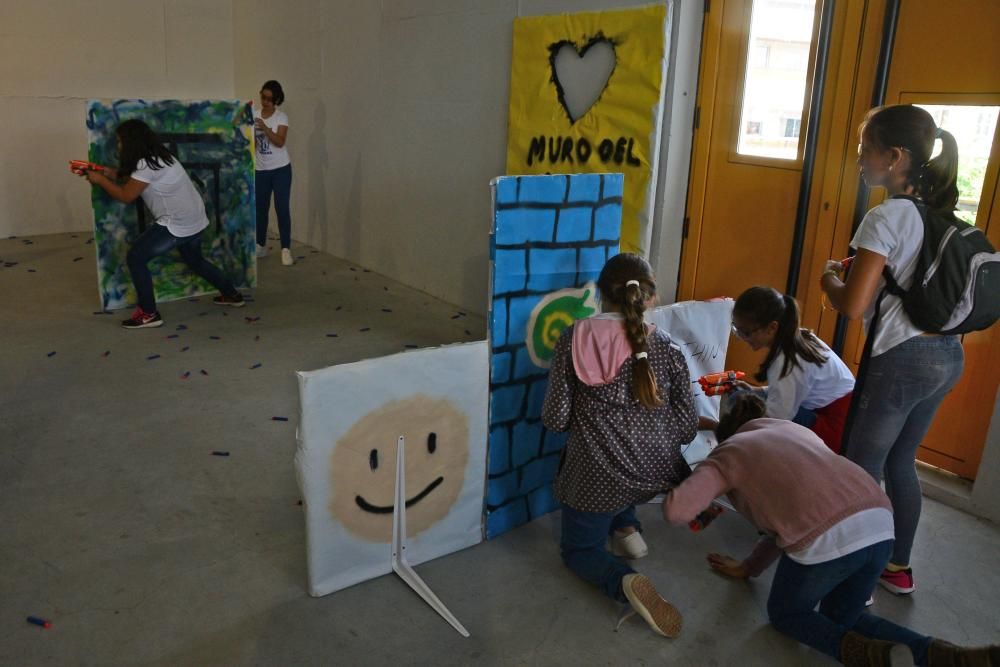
<point>278,181</point>
<point>156,241</point>
<point>584,535</point>
<point>902,390</point>
<point>840,587</point>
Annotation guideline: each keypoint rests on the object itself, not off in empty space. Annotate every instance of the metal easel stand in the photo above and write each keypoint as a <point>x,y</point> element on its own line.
<point>399,564</point>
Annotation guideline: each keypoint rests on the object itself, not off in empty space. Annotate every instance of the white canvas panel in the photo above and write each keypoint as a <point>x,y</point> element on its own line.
<point>351,417</point>
<point>701,329</point>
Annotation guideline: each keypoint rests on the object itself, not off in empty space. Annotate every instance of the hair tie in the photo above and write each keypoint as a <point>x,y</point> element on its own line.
<point>633,282</point>
<point>641,355</point>
<point>937,132</point>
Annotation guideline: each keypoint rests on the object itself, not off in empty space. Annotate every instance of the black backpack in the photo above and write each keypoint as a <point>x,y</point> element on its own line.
<point>956,286</point>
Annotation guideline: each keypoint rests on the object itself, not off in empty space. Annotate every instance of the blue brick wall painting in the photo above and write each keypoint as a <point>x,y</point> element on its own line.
<point>551,237</point>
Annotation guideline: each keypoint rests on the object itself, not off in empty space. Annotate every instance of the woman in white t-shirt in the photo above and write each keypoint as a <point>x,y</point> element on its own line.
<point>909,372</point>
<point>150,171</point>
<point>274,169</point>
<point>806,382</point>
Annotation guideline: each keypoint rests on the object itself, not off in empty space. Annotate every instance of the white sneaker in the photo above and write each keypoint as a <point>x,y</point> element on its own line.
<point>630,546</point>
<point>286,257</point>
<point>262,251</point>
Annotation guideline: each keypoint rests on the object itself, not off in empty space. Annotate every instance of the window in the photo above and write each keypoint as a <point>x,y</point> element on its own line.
<point>776,75</point>
<point>967,124</point>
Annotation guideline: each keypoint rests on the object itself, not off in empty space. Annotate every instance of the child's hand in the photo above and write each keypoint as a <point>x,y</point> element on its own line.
<point>259,124</point>
<point>742,385</point>
<point>707,424</point>
<point>94,176</point>
<point>727,566</point>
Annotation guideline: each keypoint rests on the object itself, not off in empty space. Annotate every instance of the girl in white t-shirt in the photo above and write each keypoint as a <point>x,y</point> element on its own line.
<point>150,171</point>
<point>274,169</point>
<point>909,372</point>
<point>806,382</point>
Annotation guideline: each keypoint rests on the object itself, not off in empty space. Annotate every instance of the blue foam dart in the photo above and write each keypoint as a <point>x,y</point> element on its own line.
<point>279,419</point>
<point>152,356</point>
<point>217,453</point>
<point>50,354</point>
<point>257,365</point>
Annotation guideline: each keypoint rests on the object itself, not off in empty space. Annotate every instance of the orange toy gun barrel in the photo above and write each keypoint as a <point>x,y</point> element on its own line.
<point>708,516</point>
<point>714,384</point>
<point>80,167</point>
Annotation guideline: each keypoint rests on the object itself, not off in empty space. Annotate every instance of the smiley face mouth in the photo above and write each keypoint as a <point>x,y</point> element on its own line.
<point>387,509</point>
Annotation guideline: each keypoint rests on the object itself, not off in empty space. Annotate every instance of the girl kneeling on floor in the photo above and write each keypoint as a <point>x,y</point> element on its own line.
<point>831,526</point>
<point>623,391</point>
<point>806,382</point>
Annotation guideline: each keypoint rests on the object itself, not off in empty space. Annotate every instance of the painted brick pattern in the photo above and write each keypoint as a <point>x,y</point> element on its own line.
<point>550,233</point>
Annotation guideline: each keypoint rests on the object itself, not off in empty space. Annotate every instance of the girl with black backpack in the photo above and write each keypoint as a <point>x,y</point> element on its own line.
<point>908,372</point>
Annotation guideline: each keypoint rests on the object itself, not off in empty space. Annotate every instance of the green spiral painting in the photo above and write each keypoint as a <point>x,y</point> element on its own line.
<point>552,315</point>
<point>213,139</point>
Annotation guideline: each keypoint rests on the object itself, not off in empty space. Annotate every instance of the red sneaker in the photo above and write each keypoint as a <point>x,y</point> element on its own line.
<point>900,583</point>
<point>143,320</point>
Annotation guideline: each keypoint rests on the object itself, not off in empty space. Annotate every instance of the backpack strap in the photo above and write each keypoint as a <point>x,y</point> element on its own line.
<point>859,382</point>
<point>891,285</point>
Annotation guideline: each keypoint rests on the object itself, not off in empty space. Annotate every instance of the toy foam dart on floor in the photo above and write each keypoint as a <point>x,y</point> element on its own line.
<point>716,384</point>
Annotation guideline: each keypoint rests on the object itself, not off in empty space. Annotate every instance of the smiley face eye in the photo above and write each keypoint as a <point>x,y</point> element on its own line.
<point>432,442</point>
<point>373,459</point>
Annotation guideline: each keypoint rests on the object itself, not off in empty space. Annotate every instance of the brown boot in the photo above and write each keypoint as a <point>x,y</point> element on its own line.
<point>945,654</point>
<point>856,650</point>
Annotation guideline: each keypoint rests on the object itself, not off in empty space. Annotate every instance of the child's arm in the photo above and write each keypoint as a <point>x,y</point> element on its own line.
<point>685,501</point>
<point>558,406</point>
<point>765,553</point>
<point>126,194</point>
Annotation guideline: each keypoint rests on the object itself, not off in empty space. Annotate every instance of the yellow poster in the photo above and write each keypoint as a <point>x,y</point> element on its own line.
<point>585,98</point>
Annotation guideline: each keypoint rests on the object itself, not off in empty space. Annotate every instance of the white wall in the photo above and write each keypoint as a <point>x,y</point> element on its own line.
<point>57,54</point>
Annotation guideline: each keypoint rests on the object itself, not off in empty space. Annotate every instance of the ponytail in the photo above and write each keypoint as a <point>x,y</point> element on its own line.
<point>626,281</point>
<point>744,406</point>
<point>938,181</point>
<point>912,129</point>
<point>763,305</point>
<point>633,307</point>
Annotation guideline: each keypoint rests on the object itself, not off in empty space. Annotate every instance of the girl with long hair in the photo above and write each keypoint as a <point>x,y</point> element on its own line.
<point>623,391</point>
<point>909,372</point>
<point>147,169</point>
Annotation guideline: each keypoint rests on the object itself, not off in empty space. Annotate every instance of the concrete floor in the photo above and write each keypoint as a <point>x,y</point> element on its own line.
<point>118,524</point>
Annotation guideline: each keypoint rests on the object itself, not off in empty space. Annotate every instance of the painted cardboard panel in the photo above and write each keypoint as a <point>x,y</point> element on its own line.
<point>701,330</point>
<point>551,237</point>
<point>213,139</point>
<point>554,126</point>
<point>351,417</point>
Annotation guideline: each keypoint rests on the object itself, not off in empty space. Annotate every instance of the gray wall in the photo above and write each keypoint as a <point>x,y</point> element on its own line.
<point>57,54</point>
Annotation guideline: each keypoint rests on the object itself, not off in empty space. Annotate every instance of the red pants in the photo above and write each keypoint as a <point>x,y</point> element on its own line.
<point>830,420</point>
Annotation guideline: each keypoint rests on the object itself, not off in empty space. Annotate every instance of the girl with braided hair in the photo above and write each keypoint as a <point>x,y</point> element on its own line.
<point>622,389</point>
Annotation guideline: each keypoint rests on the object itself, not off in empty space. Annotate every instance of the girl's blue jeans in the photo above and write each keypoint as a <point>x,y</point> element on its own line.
<point>156,241</point>
<point>584,536</point>
<point>902,390</point>
<point>840,587</point>
<point>278,181</point>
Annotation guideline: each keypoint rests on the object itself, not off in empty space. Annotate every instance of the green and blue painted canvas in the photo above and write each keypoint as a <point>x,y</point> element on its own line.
<point>213,139</point>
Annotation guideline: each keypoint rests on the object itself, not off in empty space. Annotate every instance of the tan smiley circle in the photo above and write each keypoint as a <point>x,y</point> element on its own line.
<point>363,466</point>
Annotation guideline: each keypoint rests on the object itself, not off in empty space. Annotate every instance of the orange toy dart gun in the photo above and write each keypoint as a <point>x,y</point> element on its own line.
<point>716,384</point>
<point>708,516</point>
<point>81,167</point>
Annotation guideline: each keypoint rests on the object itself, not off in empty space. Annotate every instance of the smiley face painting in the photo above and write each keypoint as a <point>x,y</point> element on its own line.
<point>352,416</point>
<point>362,466</point>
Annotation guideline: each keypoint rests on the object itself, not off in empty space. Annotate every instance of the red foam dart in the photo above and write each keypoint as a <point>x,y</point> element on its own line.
<point>34,620</point>
<point>846,262</point>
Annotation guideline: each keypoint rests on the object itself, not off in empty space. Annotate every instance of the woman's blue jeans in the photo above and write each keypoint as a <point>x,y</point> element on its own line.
<point>584,536</point>
<point>156,241</point>
<point>902,390</point>
<point>840,587</point>
<point>278,181</point>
